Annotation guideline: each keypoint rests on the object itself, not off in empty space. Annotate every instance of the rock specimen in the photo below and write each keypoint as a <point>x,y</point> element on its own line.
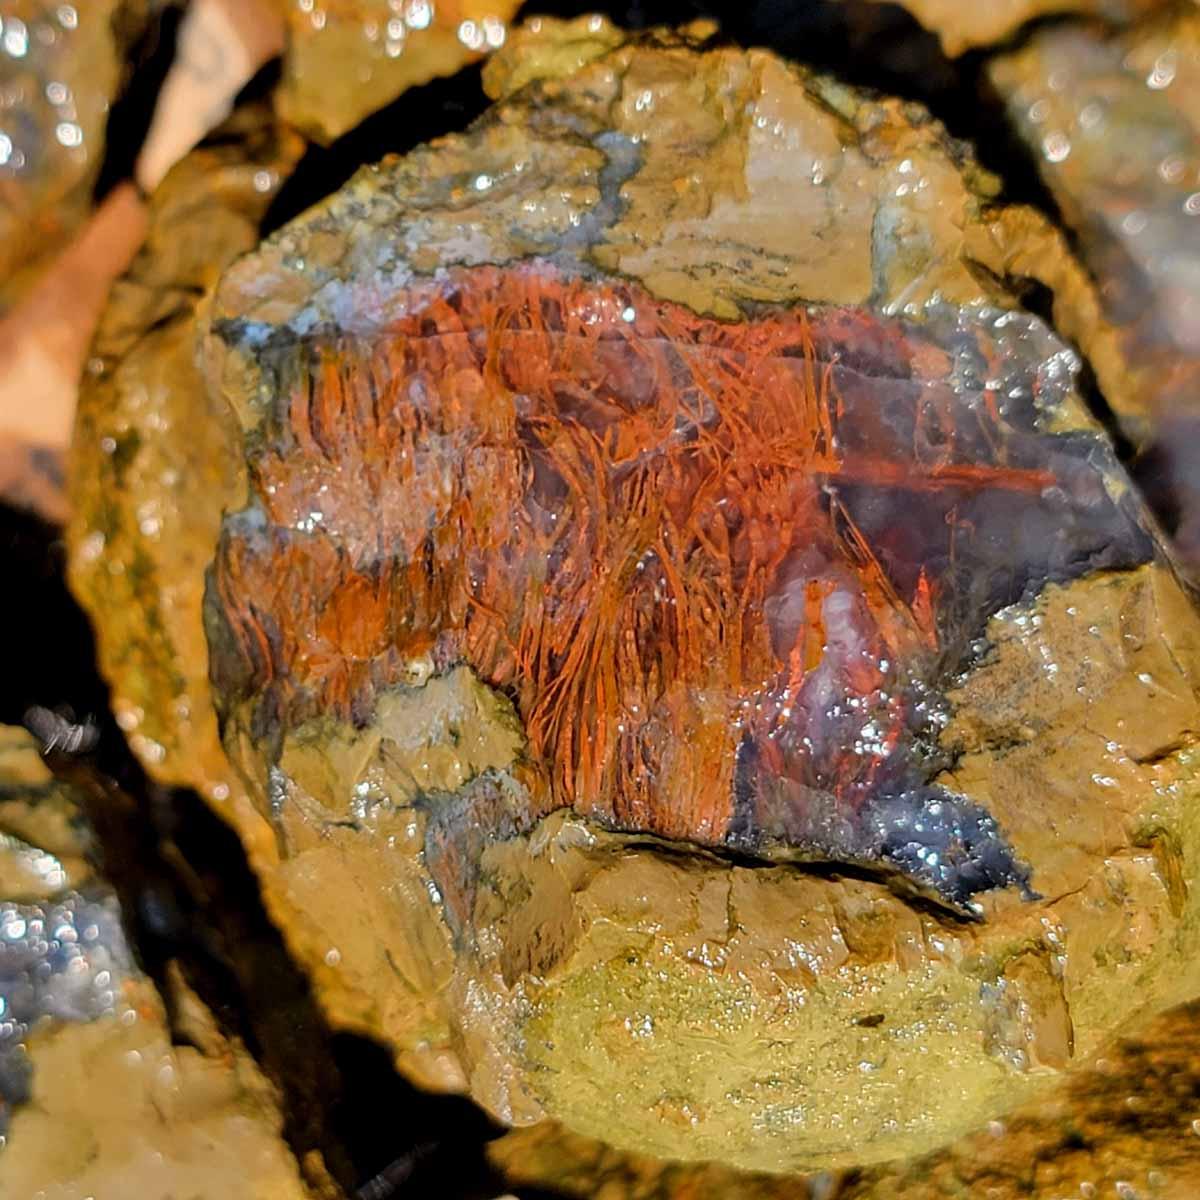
<point>75,1010</point>
<point>347,58</point>
<point>707,677</point>
<point>1115,122</point>
<point>60,66</point>
<point>525,538</point>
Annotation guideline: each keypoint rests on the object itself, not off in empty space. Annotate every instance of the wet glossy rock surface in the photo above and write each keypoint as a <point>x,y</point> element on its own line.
<point>726,570</point>
<point>599,962</point>
<point>1115,122</point>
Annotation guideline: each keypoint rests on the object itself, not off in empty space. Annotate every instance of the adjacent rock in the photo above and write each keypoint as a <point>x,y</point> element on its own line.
<point>347,58</point>
<point>708,677</point>
<point>968,26</point>
<point>60,67</point>
<point>75,1009</point>
<point>1115,123</point>
<point>1125,1127</point>
<point>154,462</point>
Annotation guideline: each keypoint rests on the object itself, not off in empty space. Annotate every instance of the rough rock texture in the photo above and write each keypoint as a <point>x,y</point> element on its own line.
<point>153,464</point>
<point>968,26</point>
<point>196,1119</point>
<point>347,58</point>
<point>60,67</point>
<point>1124,1126</point>
<point>1115,122</point>
<point>478,888</point>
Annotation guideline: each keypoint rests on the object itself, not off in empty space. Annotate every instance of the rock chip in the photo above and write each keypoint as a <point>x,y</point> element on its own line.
<point>1114,119</point>
<point>197,1118</point>
<point>449,375</point>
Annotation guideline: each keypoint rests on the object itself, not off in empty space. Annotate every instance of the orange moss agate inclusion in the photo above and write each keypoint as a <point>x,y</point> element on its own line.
<point>630,519</point>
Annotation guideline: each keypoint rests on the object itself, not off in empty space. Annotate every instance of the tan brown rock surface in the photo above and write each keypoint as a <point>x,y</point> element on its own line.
<point>1125,1127</point>
<point>95,1099</point>
<point>665,998</point>
<point>347,58</point>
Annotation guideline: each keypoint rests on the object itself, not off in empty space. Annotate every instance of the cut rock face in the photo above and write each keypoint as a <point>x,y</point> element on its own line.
<point>1115,122</point>
<point>705,677</point>
<point>1124,1122</point>
<point>724,569</point>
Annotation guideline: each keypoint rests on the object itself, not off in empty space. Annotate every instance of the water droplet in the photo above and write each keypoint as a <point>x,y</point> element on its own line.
<point>69,134</point>
<point>418,14</point>
<point>15,38</point>
<point>1163,73</point>
<point>471,35</point>
<point>494,32</point>
<point>1171,168</point>
<point>1134,223</point>
<point>1056,147</point>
